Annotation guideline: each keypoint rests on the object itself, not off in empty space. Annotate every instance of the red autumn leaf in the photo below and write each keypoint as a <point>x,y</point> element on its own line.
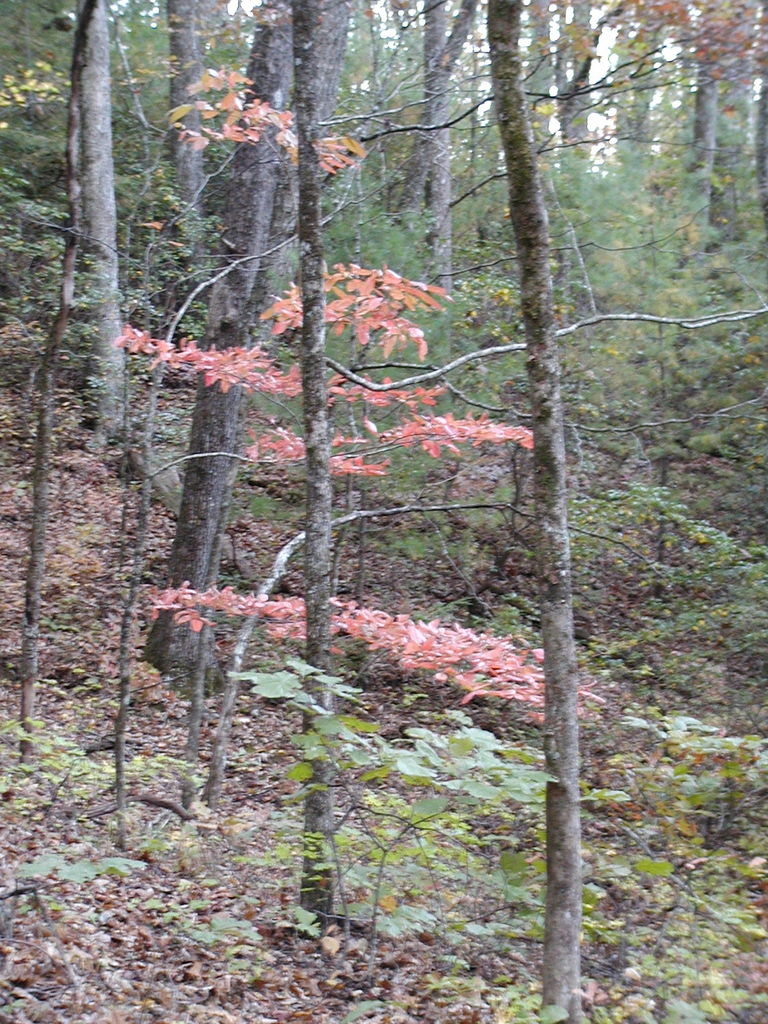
<point>481,663</point>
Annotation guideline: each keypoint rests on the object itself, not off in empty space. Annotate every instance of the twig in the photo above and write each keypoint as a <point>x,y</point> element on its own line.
<point>20,890</point>
<point>398,129</point>
<point>151,799</point>
<point>652,424</point>
<point>70,971</point>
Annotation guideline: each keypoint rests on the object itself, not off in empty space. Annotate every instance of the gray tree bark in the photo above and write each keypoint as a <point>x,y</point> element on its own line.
<point>429,179</point>
<point>256,173</point>
<point>436,147</point>
<point>106,374</point>
<point>186,69</point>
<point>761,127</point>
<point>573,64</point>
<point>317,874</point>
<point>561,972</point>
<point>255,222</point>
<point>704,140</point>
<point>330,47</point>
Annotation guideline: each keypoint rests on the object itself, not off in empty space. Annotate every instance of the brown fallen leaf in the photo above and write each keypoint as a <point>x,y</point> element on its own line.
<point>330,945</point>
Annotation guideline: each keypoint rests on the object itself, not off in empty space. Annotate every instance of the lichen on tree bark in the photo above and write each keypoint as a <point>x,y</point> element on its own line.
<point>528,214</point>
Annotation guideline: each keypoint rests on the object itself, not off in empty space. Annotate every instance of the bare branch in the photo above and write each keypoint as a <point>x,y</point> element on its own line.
<point>476,188</point>
<point>398,129</point>
<point>217,277</point>
<point>652,424</point>
<point>150,799</point>
<point>687,323</point>
<point>419,378</point>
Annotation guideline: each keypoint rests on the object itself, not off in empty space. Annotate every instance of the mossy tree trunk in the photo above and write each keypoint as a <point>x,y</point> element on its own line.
<point>317,874</point>
<point>761,126</point>
<point>561,981</point>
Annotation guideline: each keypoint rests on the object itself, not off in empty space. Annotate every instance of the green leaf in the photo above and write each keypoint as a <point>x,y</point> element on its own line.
<point>552,1014</point>
<point>329,726</point>
<point>412,766</point>
<point>224,924</point>
<point>481,790</point>
<point>429,806</point>
<point>43,865</point>
<point>660,868</point>
<point>359,757</point>
<point>122,866</point>
<point>358,724</point>
<point>362,1008</point>
<point>306,922</point>
<point>300,772</point>
<point>633,722</point>
<point>681,1012</point>
<point>513,864</point>
<point>461,745</point>
<point>301,668</point>
<point>603,796</point>
<point>274,685</point>
<point>79,871</point>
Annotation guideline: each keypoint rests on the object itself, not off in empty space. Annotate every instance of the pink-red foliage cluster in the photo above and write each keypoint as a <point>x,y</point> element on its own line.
<point>369,302</point>
<point>480,663</point>
<point>245,119</point>
<point>432,433</point>
<point>250,368</point>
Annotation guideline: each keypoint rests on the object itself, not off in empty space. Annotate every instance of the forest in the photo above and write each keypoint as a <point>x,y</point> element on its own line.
<point>384,511</point>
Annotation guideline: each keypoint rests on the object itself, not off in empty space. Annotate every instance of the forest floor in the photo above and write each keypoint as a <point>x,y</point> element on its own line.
<point>196,921</point>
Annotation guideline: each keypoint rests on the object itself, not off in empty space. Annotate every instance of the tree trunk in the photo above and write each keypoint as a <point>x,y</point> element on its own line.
<point>207,481</point>
<point>186,69</point>
<point>317,874</point>
<point>330,45</point>
<point>46,393</point>
<point>107,364</point>
<point>194,725</point>
<point>728,157</point>
<point>126,650</point>
<point>702,164</point>
<point>255,222</point>
<point>561,981</point>
<point>761,127</point>
<point>429,180</point>
<point>573,64</point>
<point>436,151</point>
